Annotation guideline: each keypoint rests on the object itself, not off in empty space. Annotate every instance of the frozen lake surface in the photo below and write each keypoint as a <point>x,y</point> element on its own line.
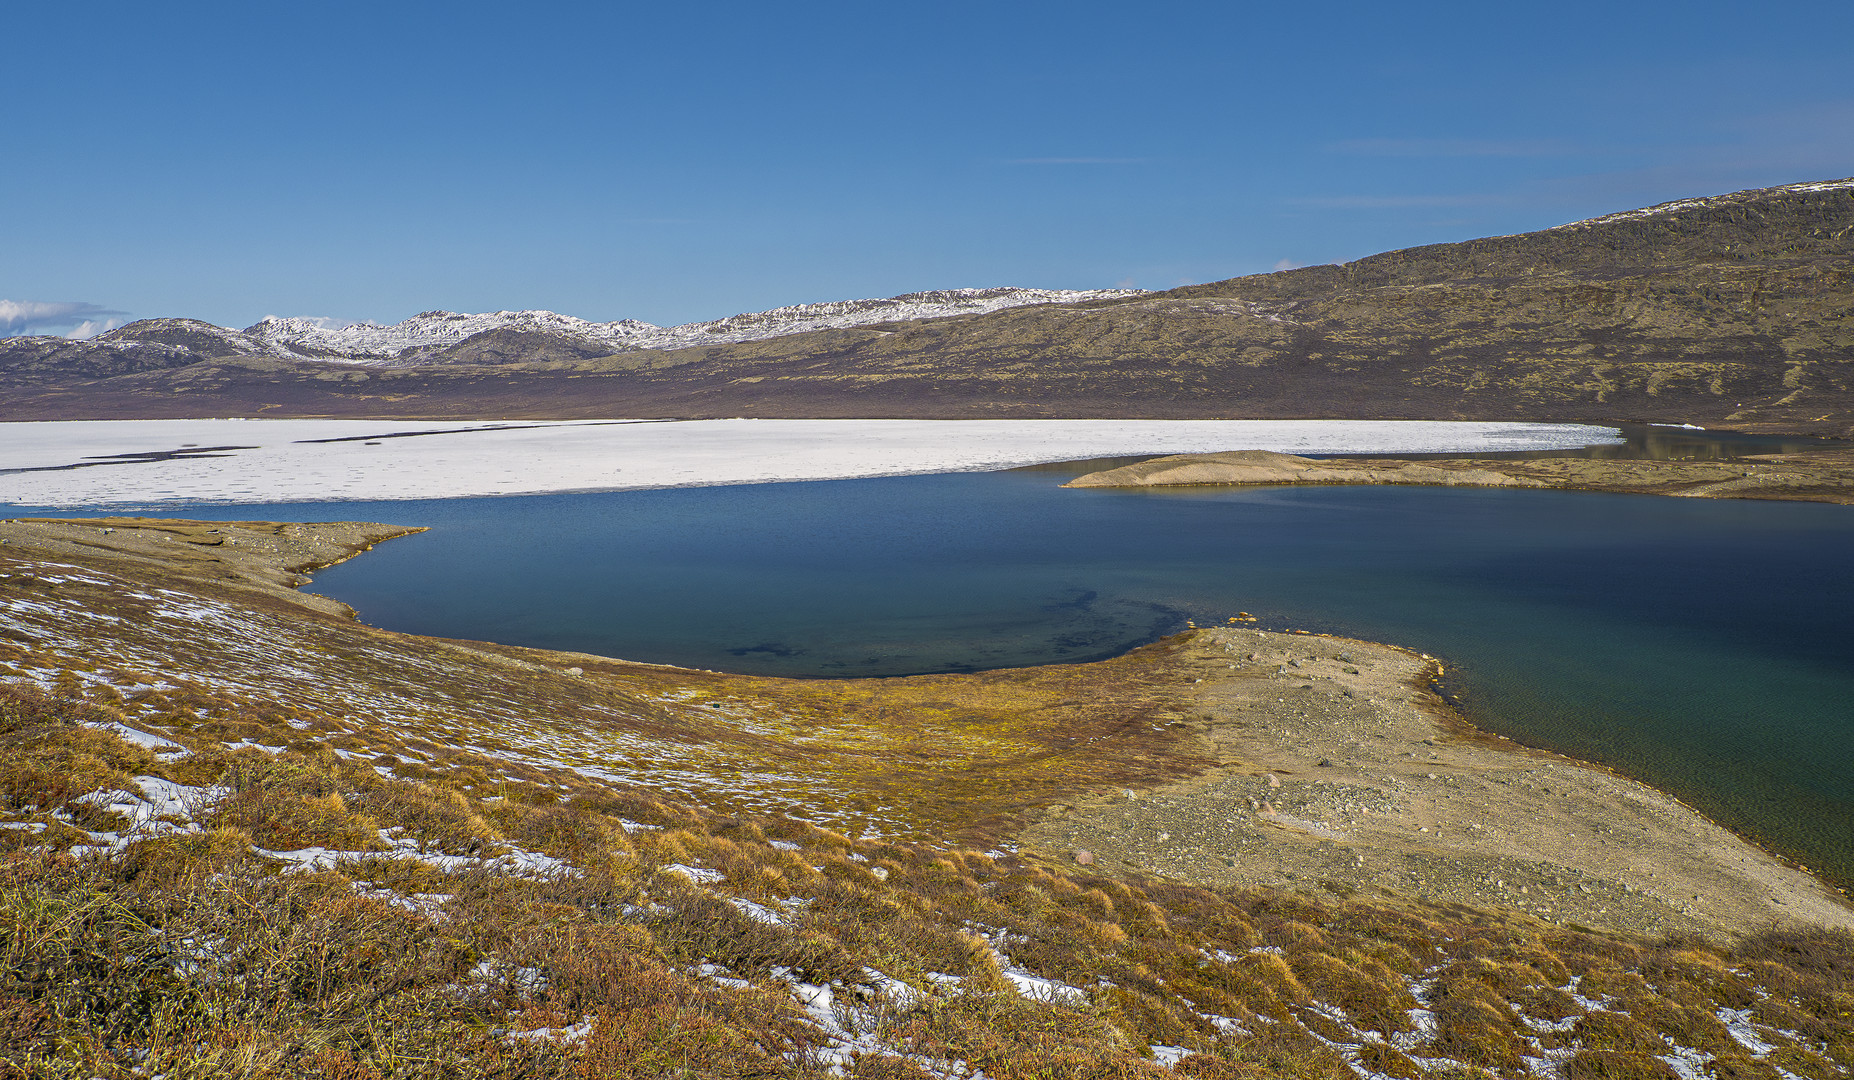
<point>98,464</point>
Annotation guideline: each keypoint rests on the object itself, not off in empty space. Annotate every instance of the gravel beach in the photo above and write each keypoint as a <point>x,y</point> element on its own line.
<point>1340,771</point>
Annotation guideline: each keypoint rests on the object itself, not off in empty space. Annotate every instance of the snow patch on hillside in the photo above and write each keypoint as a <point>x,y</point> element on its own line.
<point>840,314</point>
<point>1710,200</point>
<point>370,342</point>
<point>428,330</point>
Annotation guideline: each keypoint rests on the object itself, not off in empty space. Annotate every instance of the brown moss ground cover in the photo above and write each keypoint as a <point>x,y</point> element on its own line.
<point>671,940</point>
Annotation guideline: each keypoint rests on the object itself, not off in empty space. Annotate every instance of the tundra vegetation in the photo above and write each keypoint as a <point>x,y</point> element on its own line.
<point>297,913</point>
<point>245,835</point>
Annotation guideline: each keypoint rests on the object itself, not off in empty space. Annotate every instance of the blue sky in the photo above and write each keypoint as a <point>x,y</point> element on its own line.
<point>369,161</point>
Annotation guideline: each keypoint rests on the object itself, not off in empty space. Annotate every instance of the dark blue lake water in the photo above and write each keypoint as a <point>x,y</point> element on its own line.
<point>1706,647</point>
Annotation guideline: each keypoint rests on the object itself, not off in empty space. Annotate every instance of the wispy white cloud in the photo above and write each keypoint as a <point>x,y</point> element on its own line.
<point>1287,264</point>
<point>37,316</point>
<point>1431,148</point>
<point>90,328</point>
<point>1075,161</point>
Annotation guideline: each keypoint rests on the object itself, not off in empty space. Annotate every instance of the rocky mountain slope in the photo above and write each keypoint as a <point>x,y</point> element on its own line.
<point>1732,311</point>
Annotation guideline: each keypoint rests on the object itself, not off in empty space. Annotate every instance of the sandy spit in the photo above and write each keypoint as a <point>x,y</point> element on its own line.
<point>1340,770</point>
<point>1815,476</point>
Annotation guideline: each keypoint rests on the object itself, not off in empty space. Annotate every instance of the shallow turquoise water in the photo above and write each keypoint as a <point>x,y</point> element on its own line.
<point>1704,646</point>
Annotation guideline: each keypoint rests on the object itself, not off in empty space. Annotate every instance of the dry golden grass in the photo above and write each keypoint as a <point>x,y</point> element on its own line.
<point>48,757</point>
<point>194,955</point>
<point>168,641</point>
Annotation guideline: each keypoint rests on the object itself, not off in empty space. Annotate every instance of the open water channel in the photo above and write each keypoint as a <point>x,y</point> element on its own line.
<point>1703,646</point>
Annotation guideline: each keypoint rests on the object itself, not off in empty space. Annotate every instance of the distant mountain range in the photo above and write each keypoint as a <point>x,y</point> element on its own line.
<point>444,337</point>
<point>447,337</point>
<point>1735,310</point>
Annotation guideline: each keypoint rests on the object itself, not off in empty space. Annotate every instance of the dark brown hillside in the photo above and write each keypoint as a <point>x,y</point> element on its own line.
<point>1730,311</point>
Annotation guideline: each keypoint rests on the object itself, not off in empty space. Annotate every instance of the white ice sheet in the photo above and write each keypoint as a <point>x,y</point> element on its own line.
<point>279,464</point>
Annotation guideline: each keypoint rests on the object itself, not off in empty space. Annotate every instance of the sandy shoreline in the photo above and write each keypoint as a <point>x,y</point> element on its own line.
<point>1812,476</point>
<point>1383,787</point>
<point>1340,771</point>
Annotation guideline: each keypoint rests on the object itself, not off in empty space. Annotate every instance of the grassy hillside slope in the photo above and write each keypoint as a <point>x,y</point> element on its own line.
<point>244,835</point>
<point>1729,311</point>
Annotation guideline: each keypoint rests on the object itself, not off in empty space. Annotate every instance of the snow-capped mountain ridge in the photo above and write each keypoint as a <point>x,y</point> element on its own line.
<point>299,338</point>
<point>428,330</point>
